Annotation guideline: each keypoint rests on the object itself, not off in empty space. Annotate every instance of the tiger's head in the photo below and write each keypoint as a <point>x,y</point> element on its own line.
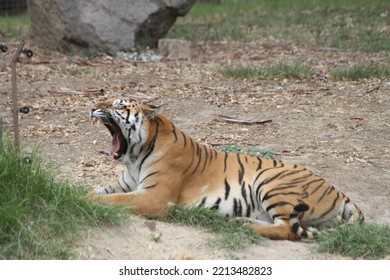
<point>127,121</point>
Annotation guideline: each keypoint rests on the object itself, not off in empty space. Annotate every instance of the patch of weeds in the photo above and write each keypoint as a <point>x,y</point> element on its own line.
<point>240,71</point>
<point>362,71</point>
<point>41,216</point>
<point>77,71</point>
<point>250,150</point>
<point>296,69</point>
<point>230,234</point>
<point>14,27</point>
<point>345,24</point>
<point>358,241</point>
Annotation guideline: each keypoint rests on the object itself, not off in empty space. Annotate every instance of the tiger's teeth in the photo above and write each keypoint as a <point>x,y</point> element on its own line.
<point>116,154</point>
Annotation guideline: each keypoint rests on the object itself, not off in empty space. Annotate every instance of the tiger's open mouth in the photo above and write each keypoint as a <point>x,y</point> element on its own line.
<point>119,143</point>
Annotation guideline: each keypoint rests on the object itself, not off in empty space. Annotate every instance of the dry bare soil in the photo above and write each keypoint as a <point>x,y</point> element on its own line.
<point>339,129</point>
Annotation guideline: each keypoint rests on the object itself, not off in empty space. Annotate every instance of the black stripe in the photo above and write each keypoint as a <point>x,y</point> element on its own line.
<point>267,181</point>
<point>323,194</point>
<point>304,178</point>
<point>128,116</point>
<point>151,186</point>
<point>237,208</point>
<point>205,160</point>
<point>123,180</point>
<point>174,132</point>
<point>260,164</point>
<point>295,227</point>
<point>202,202</point>
<point>248,211</point>
<point>243,193</point>
<point>258,176</point>
<point>211,155</point>
<point>192,158</point>
<point>150,174</point>
<point>252,197</point>
<point>280,203</point>
<point>278,216</point>
<point>276,194</point>
<point>216,204</point>
<point>136,115</point>
<point>319,186</point>
<point>284,187</point>
<point>227,189</point>
<point>184,138</point>
<point>294,215</point>
<point>119,115</point>
<point>331,207</point>
<point>293,172</point>
<point>225,162</point>
<point>199,155</point>
<point>150,147</point>
<point>241,171</point>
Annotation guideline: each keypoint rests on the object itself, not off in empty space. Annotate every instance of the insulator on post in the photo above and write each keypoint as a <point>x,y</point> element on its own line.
<point>24,110</point>
<point>28,53</point>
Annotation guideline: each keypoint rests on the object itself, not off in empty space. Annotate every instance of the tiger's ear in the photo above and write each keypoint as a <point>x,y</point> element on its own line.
<point>150,111</point>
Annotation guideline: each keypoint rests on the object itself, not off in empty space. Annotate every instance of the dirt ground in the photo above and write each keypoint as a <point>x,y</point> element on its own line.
<point>339,129</point>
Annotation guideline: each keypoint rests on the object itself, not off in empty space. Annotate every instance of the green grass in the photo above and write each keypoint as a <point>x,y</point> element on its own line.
<point>362,71</point>
<point>358,241</point>
<point>296,69</point>
<point>40,216</point>
<point>230,234</point>
<point>345,24</point>
<point>78,71</point>
<point>14,27</point>
<point>250,150</point>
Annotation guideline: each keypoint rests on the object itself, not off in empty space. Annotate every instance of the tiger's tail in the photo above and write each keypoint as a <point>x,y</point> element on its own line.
<point>295,225</point>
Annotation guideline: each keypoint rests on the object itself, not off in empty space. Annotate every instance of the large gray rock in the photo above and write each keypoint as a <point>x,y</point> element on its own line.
<point>92,26</point>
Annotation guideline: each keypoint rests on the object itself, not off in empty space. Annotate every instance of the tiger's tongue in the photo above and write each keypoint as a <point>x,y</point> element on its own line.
<point>115,144</point>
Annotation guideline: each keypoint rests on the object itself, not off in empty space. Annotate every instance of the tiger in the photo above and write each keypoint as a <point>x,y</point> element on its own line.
<point>165,167</point>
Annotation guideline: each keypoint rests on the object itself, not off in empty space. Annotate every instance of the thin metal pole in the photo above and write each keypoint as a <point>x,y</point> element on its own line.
<point>1,132</point>
<point>15,96</point>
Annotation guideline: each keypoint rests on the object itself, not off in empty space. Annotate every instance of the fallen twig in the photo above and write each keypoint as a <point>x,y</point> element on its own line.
<point>233,120</point>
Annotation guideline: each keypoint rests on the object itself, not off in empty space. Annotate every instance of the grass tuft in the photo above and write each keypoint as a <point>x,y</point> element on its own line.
<point>344,24</point>
<point>250,150</point>
<point>77,71</point>
<point>362,71</point>
<point>14,27</point>
<point>40,216</point>
<point>358,241</point>
<point>231,234</point>
<point>296,69</point>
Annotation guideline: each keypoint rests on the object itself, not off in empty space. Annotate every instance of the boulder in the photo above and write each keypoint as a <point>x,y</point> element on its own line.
<point>90,27</point>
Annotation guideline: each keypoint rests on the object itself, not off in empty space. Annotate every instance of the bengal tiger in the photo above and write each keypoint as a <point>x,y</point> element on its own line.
<point>165,167</point>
